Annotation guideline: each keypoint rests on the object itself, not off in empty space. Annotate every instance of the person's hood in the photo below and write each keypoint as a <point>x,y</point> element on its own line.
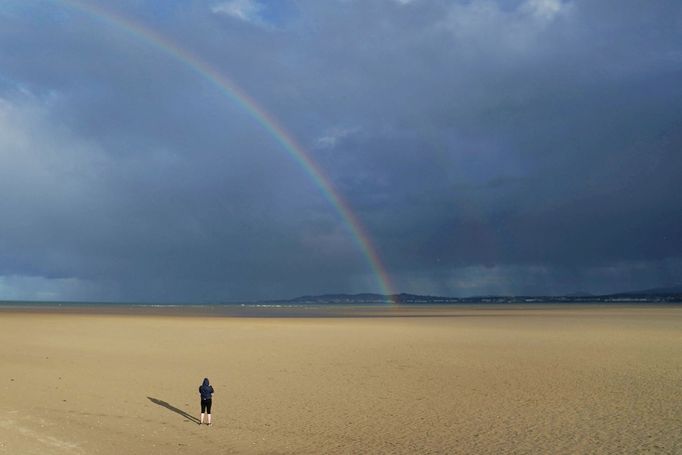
<point>205,382</point>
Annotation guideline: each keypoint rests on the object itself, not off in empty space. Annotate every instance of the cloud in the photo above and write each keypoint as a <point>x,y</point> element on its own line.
<point>245,10</point>
<point>545,10</point>
<point>493,28</point>
<point>34,288</point>
<point>486,146</point>
<point>333,136</point>
<point>47,173</point>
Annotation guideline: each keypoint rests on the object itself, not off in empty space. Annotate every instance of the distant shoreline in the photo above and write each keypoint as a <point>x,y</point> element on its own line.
<point>290,310</point>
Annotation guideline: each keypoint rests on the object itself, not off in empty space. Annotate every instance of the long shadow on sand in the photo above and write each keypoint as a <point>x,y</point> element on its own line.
<point>170,407</point>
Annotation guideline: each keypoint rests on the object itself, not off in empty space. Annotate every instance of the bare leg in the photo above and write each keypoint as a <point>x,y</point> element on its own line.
<point>202,418</point>
<point>209,419</point>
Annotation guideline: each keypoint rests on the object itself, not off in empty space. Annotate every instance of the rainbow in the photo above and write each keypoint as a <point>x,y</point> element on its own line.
<point>229,89</point>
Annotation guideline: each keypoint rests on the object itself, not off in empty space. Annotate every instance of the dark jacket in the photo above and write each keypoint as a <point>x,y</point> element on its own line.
<point>206,390</point>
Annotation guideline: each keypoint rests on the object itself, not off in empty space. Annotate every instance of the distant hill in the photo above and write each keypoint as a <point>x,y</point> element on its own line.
<point>655,291</point>
<point>671,294</point>
<point>579,294</point>
<point>341,298</point>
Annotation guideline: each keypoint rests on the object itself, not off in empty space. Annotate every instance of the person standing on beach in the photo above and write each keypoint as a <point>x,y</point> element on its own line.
<point>206,392</point>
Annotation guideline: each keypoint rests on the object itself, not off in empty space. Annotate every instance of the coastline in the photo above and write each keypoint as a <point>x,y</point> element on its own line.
<point>286,310</point>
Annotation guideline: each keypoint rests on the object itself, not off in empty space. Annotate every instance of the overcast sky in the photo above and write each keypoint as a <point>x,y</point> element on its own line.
<point>487,147</point>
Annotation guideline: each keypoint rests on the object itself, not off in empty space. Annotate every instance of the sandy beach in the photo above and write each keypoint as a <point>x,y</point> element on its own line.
<point>437,380</point>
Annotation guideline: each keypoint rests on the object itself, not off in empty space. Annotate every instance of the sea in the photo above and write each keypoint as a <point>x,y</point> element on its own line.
<point>296,310</point>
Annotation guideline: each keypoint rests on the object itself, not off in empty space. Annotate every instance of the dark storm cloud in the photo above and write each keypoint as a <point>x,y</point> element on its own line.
<point>528,146</point>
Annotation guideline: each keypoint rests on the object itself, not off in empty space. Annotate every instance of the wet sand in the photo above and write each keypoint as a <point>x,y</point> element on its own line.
<point>535,379</point>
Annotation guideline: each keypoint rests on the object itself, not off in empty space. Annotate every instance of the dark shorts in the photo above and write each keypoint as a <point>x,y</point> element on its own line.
<point>206,406</point>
